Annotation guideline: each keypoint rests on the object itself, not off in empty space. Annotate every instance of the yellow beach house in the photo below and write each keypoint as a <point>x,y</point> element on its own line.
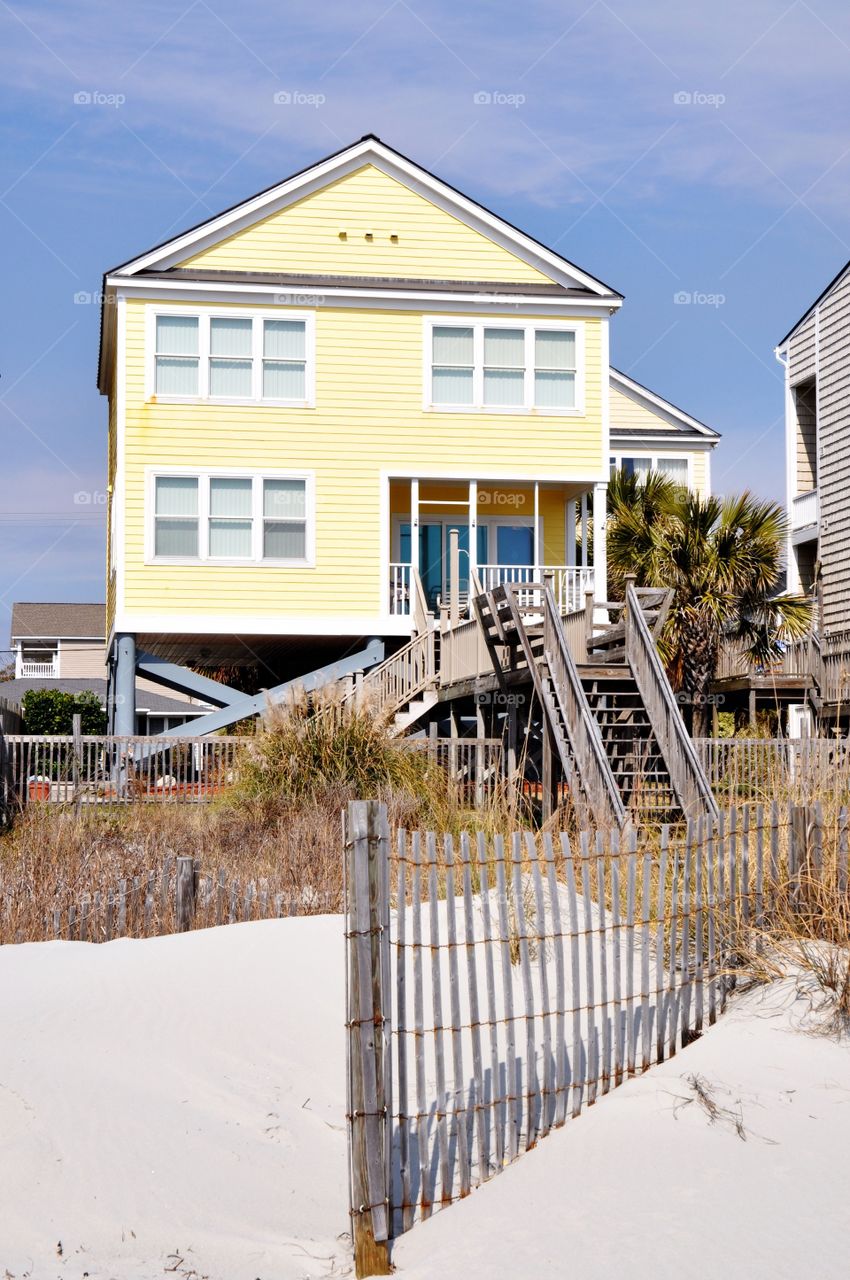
<point>310,391</point>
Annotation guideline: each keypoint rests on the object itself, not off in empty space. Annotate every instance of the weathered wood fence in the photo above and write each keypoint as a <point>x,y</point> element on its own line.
<point>497,986</point>
<point>762,769</point>
<point>175,897</point>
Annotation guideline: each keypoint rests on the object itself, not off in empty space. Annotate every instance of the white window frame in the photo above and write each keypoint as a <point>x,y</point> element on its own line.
<point>478,325</point>
<point>203,475</point>
<point>654,458</point>
<point>256,316</point>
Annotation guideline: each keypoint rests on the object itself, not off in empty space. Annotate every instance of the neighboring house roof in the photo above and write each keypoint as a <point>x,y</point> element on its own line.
<point>368,150</point>
<point>670,413</point>
<point>58,621</point>
<point>818,300</point>
<point>146,701</point>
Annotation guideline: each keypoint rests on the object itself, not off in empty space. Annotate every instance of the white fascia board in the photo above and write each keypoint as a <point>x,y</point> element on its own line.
<point>394,165</point>
<point>228,624</point>
<point>637,392</point>
<point>352,295</point>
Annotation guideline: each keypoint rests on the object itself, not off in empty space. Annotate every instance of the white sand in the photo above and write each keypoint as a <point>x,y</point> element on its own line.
<point>179,1103</point>
<point>179,1096</point>
<point>643,1184</point>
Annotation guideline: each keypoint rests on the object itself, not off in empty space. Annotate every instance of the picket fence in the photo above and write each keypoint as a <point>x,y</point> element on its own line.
<point>496,986</point>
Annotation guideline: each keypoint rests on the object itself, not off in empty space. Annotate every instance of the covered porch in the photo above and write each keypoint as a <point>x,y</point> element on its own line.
<point>507,531</point>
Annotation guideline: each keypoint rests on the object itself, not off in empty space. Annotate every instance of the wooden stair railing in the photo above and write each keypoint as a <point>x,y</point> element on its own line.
<point>687,776</point>
<point>559,690</point>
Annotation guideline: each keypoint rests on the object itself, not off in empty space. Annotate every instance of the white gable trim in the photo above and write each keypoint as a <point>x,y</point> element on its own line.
<point>369,151</point>
<point>674,416</point>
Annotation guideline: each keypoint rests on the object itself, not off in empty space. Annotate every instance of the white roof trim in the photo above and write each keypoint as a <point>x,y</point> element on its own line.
<point>635,391</point>
<point>369,151</point>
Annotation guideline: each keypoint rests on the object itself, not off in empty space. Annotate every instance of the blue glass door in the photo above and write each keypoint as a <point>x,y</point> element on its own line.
<point>430,557</point>
<point>514,544</point>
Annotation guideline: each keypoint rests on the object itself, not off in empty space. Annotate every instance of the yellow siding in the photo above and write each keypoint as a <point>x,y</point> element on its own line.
<point>305,238</point>
<point>628,415</point>
<point>368,419</point>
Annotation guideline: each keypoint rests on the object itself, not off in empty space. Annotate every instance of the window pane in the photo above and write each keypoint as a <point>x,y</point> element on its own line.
<point>554,350</point>
<point>514,544</point>
<point>675,468</point>
<point>285,499</point>
<point>176,496</point>
<point>230,538</point>
<point>176,377</point>
<point>452,345</point>
<point>554,390</point>
<point>177,335</point>
<point>503,386</point>
<point>451,386</point>
<point>504,348</point>
<point>230,497</point>
<point>230,378</point>
<point>284,541</point>
<point>284,339</point>
<point>636,466</point>
<point>283,381</point>
<point>176,537</point>
<point>229,337</point>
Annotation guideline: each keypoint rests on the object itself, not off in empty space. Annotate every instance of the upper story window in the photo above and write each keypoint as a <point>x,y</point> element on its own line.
<point>231,519</point>
<point>232,358</point>
<point>504,366</point>
<point>676,469</point>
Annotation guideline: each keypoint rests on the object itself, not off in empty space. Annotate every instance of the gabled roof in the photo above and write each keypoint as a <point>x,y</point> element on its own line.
<point>368,150</point>
<point>58,621</point>
<point>818,300</point>
<point>671,413</point>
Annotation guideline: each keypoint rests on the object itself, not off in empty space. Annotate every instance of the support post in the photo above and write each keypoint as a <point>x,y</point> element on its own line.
<point>752,707</point>
<point>511,755</point>
<point>473,531</point>
<point>124,690</point>
<point>588,620</point>
<point>366,834</point>
<point>454,578</point>
<point>600,550</point>
<point>536,526</point>
<point>414,524</point>
<point>585,559</point>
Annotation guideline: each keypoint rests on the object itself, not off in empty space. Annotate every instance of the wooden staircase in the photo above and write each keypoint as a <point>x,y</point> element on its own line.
<point>613,719</point>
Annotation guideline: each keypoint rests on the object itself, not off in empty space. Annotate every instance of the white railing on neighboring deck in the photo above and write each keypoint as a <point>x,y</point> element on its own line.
<point>38,670</point>
<point>569,585</point>
<point>400,590</point>
<point>804,509</point>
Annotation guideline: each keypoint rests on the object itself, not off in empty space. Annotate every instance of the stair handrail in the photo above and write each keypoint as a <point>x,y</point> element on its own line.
<point>422,618</point>
<point>687,776</point>
<point>400,677</point>
<point>595,773</point>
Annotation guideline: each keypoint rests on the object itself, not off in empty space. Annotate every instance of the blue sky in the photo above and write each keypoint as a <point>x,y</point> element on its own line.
<point>698,149</point>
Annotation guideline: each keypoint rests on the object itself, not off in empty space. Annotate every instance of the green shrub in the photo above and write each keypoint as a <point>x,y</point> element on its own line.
<point>52,711</point>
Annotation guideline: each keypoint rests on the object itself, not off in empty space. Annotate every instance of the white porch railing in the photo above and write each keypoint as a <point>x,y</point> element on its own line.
<point>570,581</point>
<point>400,590</point>
<point>804,509</point>
<point>38,670</point>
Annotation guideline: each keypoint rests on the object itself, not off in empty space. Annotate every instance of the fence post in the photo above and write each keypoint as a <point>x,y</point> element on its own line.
<point>76,753</point>
<point>366,834</point>
<point>185,893</point>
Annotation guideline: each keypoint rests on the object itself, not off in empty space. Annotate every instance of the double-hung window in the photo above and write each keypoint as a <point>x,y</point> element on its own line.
<point>231,519</point>
<point>233,358</point>
<point>519,367</point>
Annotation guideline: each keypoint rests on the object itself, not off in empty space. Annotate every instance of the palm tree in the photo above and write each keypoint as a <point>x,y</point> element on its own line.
<point>723,560</point>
